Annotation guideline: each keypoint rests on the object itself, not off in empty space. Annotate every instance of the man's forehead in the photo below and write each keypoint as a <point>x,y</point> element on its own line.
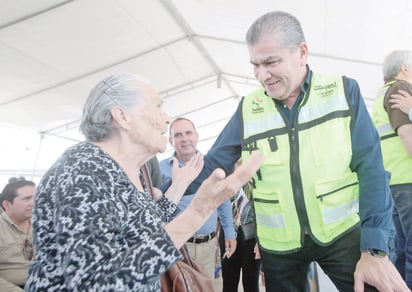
<point>182,126</point>
<point>25,191</point>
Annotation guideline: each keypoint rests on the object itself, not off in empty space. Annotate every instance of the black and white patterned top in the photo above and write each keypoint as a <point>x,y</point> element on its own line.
<point>94,231</point>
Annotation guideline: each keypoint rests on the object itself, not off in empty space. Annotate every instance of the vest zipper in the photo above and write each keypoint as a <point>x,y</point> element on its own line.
<point>297,182</point>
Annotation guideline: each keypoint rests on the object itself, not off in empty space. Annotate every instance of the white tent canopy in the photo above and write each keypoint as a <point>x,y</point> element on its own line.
<point>53,52</point>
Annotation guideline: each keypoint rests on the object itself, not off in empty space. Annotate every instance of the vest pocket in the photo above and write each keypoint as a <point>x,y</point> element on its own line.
<point>338,199</point>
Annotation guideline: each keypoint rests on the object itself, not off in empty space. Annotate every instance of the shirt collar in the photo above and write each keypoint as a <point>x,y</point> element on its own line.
<point>170,159</point>
<point>9,220</point>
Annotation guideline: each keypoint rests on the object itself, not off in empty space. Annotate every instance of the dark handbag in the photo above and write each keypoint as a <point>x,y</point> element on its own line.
<point>247,229</point>
<point>186,275</point>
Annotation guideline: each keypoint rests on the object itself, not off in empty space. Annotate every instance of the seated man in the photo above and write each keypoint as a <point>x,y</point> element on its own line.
<point>16,245</point>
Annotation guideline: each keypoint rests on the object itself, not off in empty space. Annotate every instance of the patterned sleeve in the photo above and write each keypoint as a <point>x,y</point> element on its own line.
<point>169,209</point>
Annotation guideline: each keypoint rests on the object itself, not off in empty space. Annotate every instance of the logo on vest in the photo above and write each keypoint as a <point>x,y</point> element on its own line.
<point>257,105</point>
<point>326,89</point>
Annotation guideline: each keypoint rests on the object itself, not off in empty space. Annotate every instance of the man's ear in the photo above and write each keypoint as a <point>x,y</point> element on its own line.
<point>121,117</point>
<point>303,53</point>
<point>5,204</point>
<point>405,69</point>
<point>171,141</point>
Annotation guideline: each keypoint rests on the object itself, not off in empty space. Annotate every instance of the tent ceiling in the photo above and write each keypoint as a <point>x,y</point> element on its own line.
<point>53,52</point>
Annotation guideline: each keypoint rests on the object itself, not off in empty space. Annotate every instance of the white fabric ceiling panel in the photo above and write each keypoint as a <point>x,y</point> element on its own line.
<point>75,43</point>
<point>77,38</point>
<point>363,30</point>
<point>186,59</point>
<point>186,102</point>
<point>22,75</point>
<point>212,114</point>
<point>231,57</point>
<point>47,110</point>
<point>29,154</point>
<point>13,10</point>
<point>165,68</point>
<point>152,18</point>
<point>231,18</point>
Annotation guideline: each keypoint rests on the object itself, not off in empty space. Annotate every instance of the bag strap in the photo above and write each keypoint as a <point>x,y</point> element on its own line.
<point>147,179</point>
<point>186,257</point>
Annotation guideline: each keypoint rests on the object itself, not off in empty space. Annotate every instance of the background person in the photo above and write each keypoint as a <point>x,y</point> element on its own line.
<point>323,158</point>
<point>244,261</point>
<point>95,225</point>
<point>183,137</point>
<point>16,245</point>
<point>395,130</point>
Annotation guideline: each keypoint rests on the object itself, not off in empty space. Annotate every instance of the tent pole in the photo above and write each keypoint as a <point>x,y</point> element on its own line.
<point>37,156</point>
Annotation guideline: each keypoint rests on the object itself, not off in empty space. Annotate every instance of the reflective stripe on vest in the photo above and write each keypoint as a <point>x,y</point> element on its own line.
<point>384,129</point>
<point>333,215</point>
<point>330,216</point>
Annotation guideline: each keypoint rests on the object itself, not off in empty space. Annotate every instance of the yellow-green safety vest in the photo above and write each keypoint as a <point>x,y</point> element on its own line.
<point>396,159</point>
<point>305,185</point>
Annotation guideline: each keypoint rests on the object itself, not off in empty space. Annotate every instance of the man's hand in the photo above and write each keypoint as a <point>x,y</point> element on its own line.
<point>186,174</point>
<point>182,177</point>
<point>216,188</point>
<point>378,272</point>
<point>230,247</point>
<point>402,101</point>
<point>256,251</point>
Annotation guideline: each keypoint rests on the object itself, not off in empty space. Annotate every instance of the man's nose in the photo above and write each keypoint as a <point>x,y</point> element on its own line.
<point>263,73</point>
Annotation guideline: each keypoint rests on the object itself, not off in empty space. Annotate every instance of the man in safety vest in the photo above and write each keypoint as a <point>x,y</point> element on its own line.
<point>395,130</point>
<point>323,160</point>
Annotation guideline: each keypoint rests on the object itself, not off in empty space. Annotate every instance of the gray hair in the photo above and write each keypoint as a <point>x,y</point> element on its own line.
<point>117,90</point>
<point>281,25</point>
<point>393,62</point>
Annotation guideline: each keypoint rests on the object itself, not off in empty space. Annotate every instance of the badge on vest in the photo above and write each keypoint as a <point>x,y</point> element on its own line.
<point>273,144</point>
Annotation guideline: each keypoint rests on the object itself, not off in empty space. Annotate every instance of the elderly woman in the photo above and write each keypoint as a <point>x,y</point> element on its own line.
<point>95,226</point>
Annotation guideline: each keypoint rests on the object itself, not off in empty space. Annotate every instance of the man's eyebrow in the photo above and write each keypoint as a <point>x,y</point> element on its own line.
<point>268,59</point>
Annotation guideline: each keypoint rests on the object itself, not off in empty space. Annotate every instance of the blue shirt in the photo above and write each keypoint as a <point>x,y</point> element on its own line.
<point>375,201</point>
<point>224,211</point>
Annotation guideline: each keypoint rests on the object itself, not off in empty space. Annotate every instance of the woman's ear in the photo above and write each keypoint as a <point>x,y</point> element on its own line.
<point>121,117</point>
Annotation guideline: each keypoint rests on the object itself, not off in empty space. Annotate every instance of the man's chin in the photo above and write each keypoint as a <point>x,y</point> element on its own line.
<point>273,93</point>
